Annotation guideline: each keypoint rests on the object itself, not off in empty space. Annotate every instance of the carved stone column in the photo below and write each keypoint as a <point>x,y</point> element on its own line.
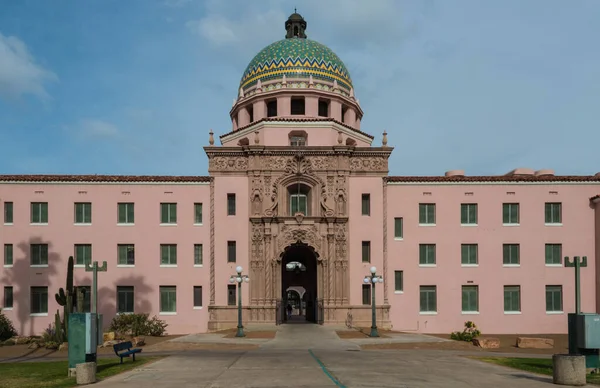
<point>385,258</point>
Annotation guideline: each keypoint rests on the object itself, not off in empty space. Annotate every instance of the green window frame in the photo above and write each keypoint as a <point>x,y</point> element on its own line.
<point>427,214</point>
<point>398,228</point>
<point>168,254</point>
<point>168,299</point>
<point>510,213</point>
<point>39,254</point>
<point>83,212</point>
<point>231,204</point>
<point>231,295</point>
<point>366,251</point>
<point>399,281</point>
<point>428,299</point>
<point>168,213</point>
<point>198,256</point>
<point>125,299</point>
<point>39,300</point>
<point>553,213</point>
<point>298,204</point>
<point>126,254</point>
<point>366,204</point>
<point>366,294</point>
<point>554,299</point>
<point>39,212</point>
<point>198,213</point>
<point>427,254</point>
<point>231,252</point>
<point>197,296</point>
<point>554,254</point>
<point>468,214</point>
<point>470,299</point>
<point>469,254</point>
<point>512,299</point>
<point>125,213</point>
<point>8,212</point>
<point>8,297</point>
<point>83,254</point>
<point>511,254</point>
<point>8,255</point>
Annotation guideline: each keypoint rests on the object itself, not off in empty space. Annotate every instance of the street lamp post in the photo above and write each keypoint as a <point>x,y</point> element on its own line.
<point>239,279</point>
<point>372,279</point>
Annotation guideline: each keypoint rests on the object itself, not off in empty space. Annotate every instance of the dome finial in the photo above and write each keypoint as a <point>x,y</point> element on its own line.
<point>295,26</point>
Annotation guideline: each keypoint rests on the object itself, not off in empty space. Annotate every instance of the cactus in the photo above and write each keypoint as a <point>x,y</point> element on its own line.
<point>58,328</point>
<point>79,294</point>
<point>65,298</point>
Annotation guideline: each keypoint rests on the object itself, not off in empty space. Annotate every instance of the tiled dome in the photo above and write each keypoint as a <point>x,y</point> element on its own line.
<point>296,58</point>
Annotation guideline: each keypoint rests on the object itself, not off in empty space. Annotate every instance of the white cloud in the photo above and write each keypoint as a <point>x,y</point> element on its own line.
<point>19,72</point>
<point>97,128</point>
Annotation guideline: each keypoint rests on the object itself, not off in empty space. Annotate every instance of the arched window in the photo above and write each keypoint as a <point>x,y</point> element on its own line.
<point>299,199</point>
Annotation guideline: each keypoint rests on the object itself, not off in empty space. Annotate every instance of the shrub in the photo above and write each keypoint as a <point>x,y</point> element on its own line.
<point>7,330</point>
<point>469,333</point>
<point>138,324</point>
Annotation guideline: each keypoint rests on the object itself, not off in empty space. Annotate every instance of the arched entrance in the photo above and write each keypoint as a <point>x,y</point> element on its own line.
<point>299,272</point>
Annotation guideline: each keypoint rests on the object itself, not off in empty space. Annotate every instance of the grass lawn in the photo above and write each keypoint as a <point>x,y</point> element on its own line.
<point>53,374</point>
<point>535,365</point>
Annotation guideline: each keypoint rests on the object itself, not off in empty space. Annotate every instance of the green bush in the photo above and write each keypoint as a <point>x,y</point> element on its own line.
<point>138,324</point>
<point>469,333</point>
<point>7,330</point>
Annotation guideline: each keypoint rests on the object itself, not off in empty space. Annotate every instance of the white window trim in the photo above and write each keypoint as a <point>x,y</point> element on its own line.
<point>195,224</point>
<point>38,314</point>
<point>512,312</point>
<point>79,265</point>
<point>398,292</point>
<point>82,223</point>
<point>469,265</point>
<point>511,224</point>
<point>169,224</point>
<point>553,224</point>
<point>8,265</point>
<point>125,224</point>
<point>428,265</point>
<point>168,265</point>
<point>511,265</point>
<point>554,312</point>
<point>428,312</point>
<point>7,308</point>
<point>469,225</point>
<point>38,265</point>
<point>38,223</point>
<point>8,223</point>
<point>398,238</point>
<point>469,312</point>
<point>554,265</point>
<point>198,307</point>
<point>126,313</point>
<point>427,224</point>
<point>125,265</point>
<point>167,313</point>
<point>198,265</point>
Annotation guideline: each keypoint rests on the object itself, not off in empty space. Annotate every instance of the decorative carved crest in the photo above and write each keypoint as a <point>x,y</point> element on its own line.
<point>292,234</point>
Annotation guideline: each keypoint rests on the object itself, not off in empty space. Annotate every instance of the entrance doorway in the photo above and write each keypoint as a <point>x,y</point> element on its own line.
<point>299,284</point>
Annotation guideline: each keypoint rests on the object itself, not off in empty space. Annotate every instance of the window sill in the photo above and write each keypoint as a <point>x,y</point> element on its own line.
<point>8,224</point>
<point>169,224</point>
<point>398,292</point>
<point>469,265</point>
<point>167,313</point>
<point>38,223</point>
<point>168,266</point>
<point>553,224</point>
<point>125,224</point>
<point>554,265</point>
<point>511,224</point>
<point>469,312</point>
<point>198,224</point>
<point>554,312</point>
<point>511,265</point>
<point>468,225</point>
<point>427,312</point>
<point>398,238</point>
<point>82,224</point>
<point>427,265</point>
<point>426,224</point>
<point>7,308</point>
<point>512,313</point>
<point>39,265</point>
<point>198,265</point>
<point>125,265</point>
<point>38,314</point>
<point>198,307</point>
<point>8,265</point>
<point>79,266</point>
<point>125,313</point>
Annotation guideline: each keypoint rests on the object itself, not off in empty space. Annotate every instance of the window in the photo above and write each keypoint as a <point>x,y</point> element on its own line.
<point>87,298</point>
<point>272,108</point>
<point>468,214</point>
<point>554,299</point>
<point>83,213</point>
<point>39,254</point>
<point>366,251</point>
<point>125,299</point>
<point>197,297</point>
<point>39,212</point>
<point>168,299</point>
<point>297,106</point>
<point>366,204</point>
<point>198,213</point>
<point>510,254</point>
<point>510,213</point>
<point>125,213</point>
<point>168,254</point>
<point>428,299</point>
<point>366,294</point>
<point>168,213</point>
<point>344,110</point>
<point>468,254</point>
<point>553,213</point>
<point>198,254</point>
<point>470,299</point>
<point>8,212</point>
<point>8,297</point>
<point>426,254</point>
<point>83,254</point>
<point>39,300</point>
<point>231,204</point>
<point>554,254</point>
<point>398,228</point>
<point>8,255</point>
<point>427,213</point>
<point>512,299</point>
<point>399,281</point>
<point>323,108</point>
<point>126,254</point>
<point>231,252</point>
<point>298,204</point>
<point>231,295</point>
<point>250,110</point>
<point>297,141</point>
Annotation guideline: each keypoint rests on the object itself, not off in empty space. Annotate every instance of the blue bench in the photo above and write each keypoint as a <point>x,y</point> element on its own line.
<point>126,346</point>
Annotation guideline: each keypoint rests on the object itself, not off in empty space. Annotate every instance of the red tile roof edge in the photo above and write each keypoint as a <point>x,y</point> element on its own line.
<point>496,178</point>
<point>104,178</point>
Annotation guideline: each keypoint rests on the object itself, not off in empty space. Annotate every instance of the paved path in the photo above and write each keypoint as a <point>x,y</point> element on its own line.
<point>312,356</point>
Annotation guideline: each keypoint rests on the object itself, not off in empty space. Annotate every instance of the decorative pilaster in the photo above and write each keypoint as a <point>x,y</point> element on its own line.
<point>385,235</point>
<point>212,241</point>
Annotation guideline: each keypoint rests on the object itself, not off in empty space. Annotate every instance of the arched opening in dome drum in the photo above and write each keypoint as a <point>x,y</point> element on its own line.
<point>296,31</point>
<point>271,108</point>
<point>250,110</point>
<point>323,108</point>
<point>344,110</point>
<point>297,105</point>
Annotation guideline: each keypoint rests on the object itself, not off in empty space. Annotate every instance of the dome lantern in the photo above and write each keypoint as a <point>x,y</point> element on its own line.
<point>295,26</point>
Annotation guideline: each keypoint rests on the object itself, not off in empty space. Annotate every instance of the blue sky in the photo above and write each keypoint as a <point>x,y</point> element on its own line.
<point>133,87</point>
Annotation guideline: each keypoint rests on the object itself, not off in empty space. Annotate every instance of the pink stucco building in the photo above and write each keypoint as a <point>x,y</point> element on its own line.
<point>300,197</point>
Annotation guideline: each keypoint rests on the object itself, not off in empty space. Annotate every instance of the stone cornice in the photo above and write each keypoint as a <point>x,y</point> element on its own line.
<point>245,151</point>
